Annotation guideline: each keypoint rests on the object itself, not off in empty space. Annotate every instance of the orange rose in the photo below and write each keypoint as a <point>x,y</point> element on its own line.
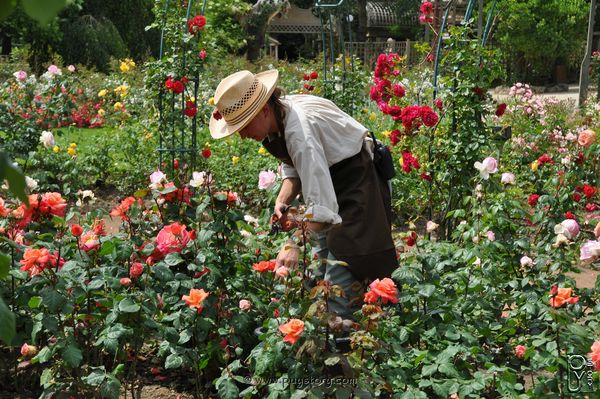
<point>562,297</point>
<point>385,289</point>
<point>265,265</point>
<point>595,355</point>
<point>292,330</point>
<point>195,299</point>
<point>89,241</point>
<point>586,138</point>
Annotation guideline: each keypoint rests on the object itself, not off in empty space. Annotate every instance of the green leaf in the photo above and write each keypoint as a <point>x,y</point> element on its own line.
<point>14,176</point>
<point>4,266</point>
<point>111,387</point>
<point>72,355</point>
<point>427,290</point>
<point>173,259</point>
<point>127,305</point>
<point>52,299</point>
<point>34,302</point>
<point>227,389</point>
<point>107,248</point>
<point>95,378</point>
<point>429,369</point>
<point>44,355</point>
<point>46,377</point>
<point>43,11</point>
<point>173,361</point>
<point>7,323</point>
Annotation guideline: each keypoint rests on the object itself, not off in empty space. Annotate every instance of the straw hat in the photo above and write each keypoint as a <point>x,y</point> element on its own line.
<point>239,98</point>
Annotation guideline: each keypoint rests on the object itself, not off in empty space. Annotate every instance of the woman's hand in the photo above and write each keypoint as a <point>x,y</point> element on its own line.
<point>288,255</point>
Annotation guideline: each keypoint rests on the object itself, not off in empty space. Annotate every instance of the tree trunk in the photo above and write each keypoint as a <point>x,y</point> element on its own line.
<point>361,10</point>
<point>258,21</point>
<point>6,43</point>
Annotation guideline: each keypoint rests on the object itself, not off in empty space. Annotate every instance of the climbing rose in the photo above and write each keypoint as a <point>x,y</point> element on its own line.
<point>487,167</point>
<point>589,191</point>
<point>196,24</point>
<point>408,162</point>
<point>292,330</point>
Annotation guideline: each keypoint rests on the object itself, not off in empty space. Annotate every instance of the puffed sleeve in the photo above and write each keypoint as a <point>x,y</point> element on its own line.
<point>310,164</point>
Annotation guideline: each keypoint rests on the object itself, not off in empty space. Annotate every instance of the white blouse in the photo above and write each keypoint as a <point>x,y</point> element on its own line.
<point>318,134</point>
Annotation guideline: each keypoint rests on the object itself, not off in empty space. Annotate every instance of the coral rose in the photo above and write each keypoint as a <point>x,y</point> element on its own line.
<point>520,351</point>
<point>89,241</point>
<point>385,289</point>
<point>292,330</point>
<point>35,261</point>
<point>28,350</point>
<point>136,269</point>
<point>264,266</point>
<point>562,297</point>
<point>245,305</point>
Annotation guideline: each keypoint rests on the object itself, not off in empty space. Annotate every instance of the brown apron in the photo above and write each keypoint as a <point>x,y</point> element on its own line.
<point>364,238</point>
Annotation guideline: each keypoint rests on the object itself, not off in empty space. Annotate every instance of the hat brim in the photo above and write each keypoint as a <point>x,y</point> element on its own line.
<point>220,128</point>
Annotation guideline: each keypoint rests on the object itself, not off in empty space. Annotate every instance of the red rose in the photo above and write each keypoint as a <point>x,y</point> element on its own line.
<point>429,117</point>
<point>395,136</point>
<point>196,24</point>
<point>190,109</point>
<point>569,215</point>
<point>576,197</point>
<point>545,159</point>
<point>206,152</point>
<point>500,109</point>
<point>178,87</point>
<point>398,90</point>
<point>314,75</point>
<point>76,230</point>
<point>306,76</point>
<point>439,104</point>
<point>217,115</point>
<point>591,207</point>
<point>533,199</point>
<point>427,7</point>
<point>176,164</point>
<point>589,191</point>
<point>425,176</point>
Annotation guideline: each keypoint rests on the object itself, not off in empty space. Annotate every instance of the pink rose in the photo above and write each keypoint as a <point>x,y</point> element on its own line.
<point>20,75</point>
<point>156,179</point>
<point>282,272</point>
<point>520,351</point>
<point>568,227</point>
<point>54,70</point>
<point>136,270</point>
<point>28,350</point>
<point>89,241</point>
<point>71,68</point>
<point>245,305</point>
<point>172,238</point>
<point>526,261</point>
<point>586,138</point>
<point>125,281</point>
<point>491,236</point>
<point>266,179</point>
<point>590,251</point>
<point>202,54</point>
<point>507,178</point>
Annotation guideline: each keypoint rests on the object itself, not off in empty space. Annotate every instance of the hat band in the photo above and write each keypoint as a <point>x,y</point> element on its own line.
<point>239,104</point>
<point>249,110</point>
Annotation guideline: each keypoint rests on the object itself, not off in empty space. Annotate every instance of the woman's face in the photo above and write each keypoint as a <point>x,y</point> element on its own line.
<point>259,127</point>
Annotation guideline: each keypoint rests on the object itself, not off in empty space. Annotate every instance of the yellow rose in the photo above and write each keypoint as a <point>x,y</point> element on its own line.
<point>101,112</point>
<point>372,116</point>
<point>534,165</point>
<point>387,133</point>
<point>72,145</point>
<point>262,151</point>
<point>56,148</point>
<point>124,67</point>
<point>71,151</point>
<point>401,161</point>
<point>211,101</point>
<point>364,110</point>
<point>235,160</point>
<point>102,93</point>
<point>118,106</point>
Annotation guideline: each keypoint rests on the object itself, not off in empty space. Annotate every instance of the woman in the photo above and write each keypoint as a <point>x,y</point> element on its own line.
<point>325,157</point>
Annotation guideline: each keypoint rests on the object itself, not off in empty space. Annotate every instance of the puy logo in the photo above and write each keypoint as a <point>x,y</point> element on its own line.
<point>580,374</point>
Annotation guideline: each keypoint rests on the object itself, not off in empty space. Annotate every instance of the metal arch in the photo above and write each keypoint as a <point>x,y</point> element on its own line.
<point>172,143</point>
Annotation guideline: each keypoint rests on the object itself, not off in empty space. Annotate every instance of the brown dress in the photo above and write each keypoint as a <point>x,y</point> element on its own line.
<point>363,240</point>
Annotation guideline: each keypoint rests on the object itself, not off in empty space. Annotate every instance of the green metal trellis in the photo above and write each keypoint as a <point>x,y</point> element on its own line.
<point>177,132</point>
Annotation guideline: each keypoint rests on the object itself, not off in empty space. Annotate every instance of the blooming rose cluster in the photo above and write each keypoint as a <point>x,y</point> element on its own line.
<point>308,77</point>
<point>122,209</point>
<point>176,86</point>
<point>426,16</point>
<point>41,206</point>
<point>196,24</point>
<point>35,261</point>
